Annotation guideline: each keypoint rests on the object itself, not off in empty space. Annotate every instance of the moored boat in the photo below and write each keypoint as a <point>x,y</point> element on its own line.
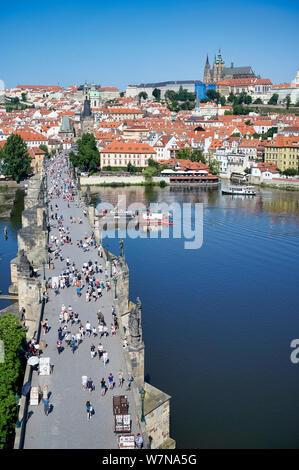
<point>240,190</point>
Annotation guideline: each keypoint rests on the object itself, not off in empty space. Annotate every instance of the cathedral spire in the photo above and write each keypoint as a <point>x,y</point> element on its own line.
<point>207,72</point>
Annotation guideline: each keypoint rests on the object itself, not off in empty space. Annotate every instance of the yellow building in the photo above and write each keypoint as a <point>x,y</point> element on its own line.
<point>284,151</point>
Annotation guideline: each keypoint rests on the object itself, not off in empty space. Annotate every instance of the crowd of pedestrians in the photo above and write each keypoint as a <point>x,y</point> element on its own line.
<point>90,280</point>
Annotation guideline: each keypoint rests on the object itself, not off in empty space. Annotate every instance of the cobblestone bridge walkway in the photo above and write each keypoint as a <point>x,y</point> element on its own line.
<point>67,426</point>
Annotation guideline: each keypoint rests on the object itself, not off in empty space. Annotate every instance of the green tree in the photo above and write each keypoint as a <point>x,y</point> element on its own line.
<point>15,159</point>
<point>157,94</point>
<point>152,162</point>
<point>149,172</point>
<point>258,101</point>
<point>231,98</point>
<point>184,154</point>
<point>290,172</point>
<point>239,109</point>
<point>142,95</point>
<point>197,156</point>
<point>174,106</point>
<point>273,99</point>
<point>214,166</point>
<point>131,168</point>
<point>88,156</point>
<point>287,101</point>
<point>45,149</point>
<point>122,94</point>
<point>213,95</point>
<point>24,98</point>
<point>170,95</point>
<point>11,371</point>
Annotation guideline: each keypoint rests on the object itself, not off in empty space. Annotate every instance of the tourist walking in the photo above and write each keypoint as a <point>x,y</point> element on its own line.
<point>46,406</point>
<point>84,379</point>
<point>120,378</point>
<point>103,387</point>
<point>105,358</point>
<point>139,441</point>
<point>89,385</point>
<point>100,351</point>
<point>92,351</point>
<point>59,346</point>
<point>110,381</point>
<point>89,410</point>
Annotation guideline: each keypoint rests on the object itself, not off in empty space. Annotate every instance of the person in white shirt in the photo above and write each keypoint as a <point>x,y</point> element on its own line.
<point>88,328</point>
<point>84,381</point>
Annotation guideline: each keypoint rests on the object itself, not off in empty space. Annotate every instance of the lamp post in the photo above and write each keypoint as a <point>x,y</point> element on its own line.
<point>43,263</point>
<point>110,260</point>
<point>17,400</point>
<point>142,393</point>
<point>115,282</point>
<point>39,286</point>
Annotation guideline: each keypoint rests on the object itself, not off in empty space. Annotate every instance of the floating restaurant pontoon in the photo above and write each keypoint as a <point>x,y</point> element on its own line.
<point>191,177</point>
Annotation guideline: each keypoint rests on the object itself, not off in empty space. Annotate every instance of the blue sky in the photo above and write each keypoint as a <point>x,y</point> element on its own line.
<point>121,43</point>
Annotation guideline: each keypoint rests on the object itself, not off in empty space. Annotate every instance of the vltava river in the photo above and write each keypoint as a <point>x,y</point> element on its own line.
<point>218,321</point>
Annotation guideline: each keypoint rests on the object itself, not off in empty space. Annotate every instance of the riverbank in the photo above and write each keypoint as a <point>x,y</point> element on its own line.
<point>283,187</point>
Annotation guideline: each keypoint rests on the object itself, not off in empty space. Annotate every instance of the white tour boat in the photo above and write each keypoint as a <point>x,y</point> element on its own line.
<point>240,190</point>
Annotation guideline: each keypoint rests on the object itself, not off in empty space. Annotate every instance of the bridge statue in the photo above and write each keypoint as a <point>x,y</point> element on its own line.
<point>135,324</point>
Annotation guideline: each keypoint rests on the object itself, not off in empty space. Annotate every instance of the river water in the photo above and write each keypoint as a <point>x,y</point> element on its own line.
<point>218,320</point>
<point>9,248</point>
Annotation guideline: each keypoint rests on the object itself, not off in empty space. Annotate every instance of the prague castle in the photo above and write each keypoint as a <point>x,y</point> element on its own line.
<point>220,72</point>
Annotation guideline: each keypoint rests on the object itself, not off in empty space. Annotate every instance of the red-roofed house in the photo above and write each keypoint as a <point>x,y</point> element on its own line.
<point>119,154</point>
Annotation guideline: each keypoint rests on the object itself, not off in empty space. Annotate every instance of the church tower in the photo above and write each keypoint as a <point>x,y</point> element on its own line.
<point>207,72</point>
<point>218,67</point>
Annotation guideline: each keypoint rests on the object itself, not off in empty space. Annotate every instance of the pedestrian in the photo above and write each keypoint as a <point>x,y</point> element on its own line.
<point>46,406</point>
<point>92,351</point>
<point>130,380</point>
<point>45,392</point>
<point>100,351</point>
<point>59,346</point>
<point>94,331</point>
<point>139,441</point>
<point>59,333</point>
<point>105,358</point>
<point>110,381</point>
<point>73,344</point>
<point>89,410</point>
<point>84,381</point>
<point>113,330</point>
<point>88,328</point>
<point>103,387</point>
<point>101,330</point>
<point>120,378</point>
<point>89,385</point>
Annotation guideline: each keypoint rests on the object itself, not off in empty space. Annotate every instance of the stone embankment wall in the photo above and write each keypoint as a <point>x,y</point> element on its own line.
<point>93,180</point>
<point>32,252</point>
<point>156,427</point>
<point>277,181</point>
